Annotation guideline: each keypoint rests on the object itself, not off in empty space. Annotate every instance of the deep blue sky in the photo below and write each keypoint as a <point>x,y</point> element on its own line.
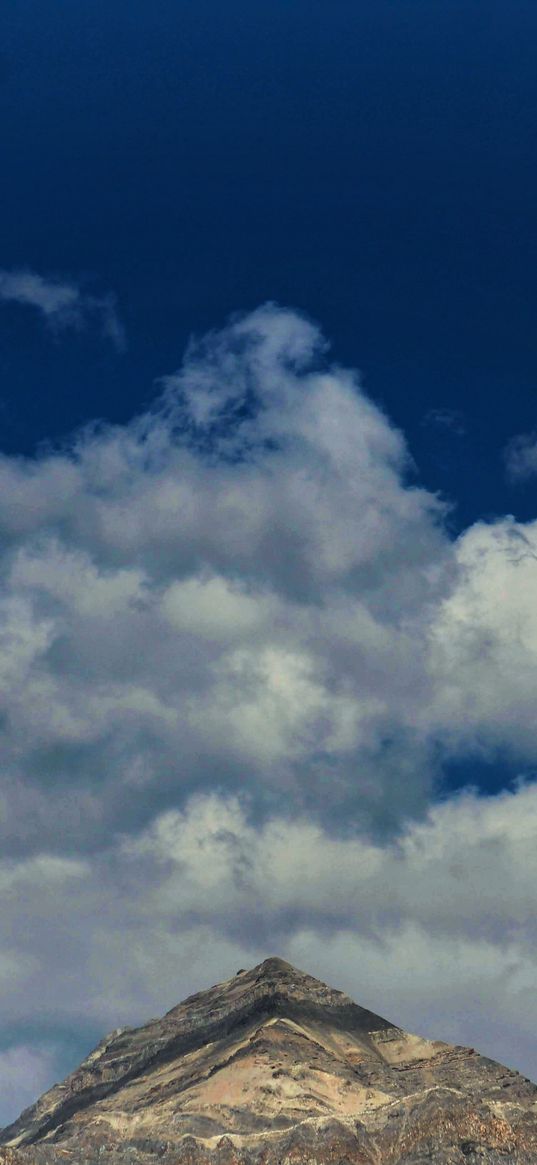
<point>370,163</point>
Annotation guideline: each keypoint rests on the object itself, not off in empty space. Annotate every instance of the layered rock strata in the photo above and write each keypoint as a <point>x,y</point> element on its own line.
<point>273,1067</point>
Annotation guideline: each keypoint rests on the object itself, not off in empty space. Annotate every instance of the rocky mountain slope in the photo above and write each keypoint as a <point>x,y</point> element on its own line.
<point>273,1067</point>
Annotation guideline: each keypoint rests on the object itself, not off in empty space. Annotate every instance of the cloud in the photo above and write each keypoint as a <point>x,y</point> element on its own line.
<point>237,644</point>
<point>247,581</point>
<point>63,304</point>
<point>520,457</point>
<point>236,587</point>
<point>484,645</point>
<point>245,586</point>
<point>452,420</point>
<point>252,880</point>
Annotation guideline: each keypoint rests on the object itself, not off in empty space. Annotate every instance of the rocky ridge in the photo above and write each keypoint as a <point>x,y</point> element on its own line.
<point>274,1067</point>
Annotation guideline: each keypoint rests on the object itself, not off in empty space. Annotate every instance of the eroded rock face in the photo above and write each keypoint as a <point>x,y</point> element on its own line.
<point>273,1067</point>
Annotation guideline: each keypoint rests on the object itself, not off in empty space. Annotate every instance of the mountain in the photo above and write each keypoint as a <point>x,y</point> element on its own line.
<point>273,1067</point>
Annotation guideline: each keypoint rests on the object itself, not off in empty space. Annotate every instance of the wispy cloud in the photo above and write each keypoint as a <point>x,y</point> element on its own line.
<point>452,420</point>
<point>63,304</point>
<point>520,457</point>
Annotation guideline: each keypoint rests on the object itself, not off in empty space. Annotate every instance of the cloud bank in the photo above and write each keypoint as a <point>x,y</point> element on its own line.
<point>238,645</point>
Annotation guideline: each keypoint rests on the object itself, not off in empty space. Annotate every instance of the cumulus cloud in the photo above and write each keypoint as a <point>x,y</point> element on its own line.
<point>484,644</point>
<point>218,866</point>
<point>237,644</point>
<point>223,592</point>
<point>63,304</point>
<point>244,585</point>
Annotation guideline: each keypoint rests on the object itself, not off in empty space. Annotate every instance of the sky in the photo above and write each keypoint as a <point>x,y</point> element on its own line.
<point>268,513</point>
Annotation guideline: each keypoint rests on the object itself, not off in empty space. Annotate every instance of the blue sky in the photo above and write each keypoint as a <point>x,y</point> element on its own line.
<point>372,165</point>
<point>267,597</point>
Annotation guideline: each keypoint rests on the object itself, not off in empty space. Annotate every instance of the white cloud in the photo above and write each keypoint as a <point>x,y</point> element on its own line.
<point>484,644</point>
<point>63,304</point>
<point>227,603</point>
<point>187,602</point>
<point>467,870</point>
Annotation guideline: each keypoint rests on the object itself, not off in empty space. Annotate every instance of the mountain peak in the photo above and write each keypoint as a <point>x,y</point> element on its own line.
<point>276,966</point>
<point>268,1064</point>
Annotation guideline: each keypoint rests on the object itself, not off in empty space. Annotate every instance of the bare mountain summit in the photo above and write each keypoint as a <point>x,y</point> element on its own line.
<point>273,1067</point>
